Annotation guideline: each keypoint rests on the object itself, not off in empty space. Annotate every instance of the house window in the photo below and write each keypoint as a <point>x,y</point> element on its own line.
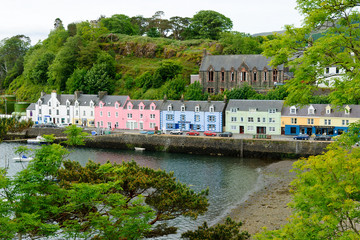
<point>311,111</point>
<point>293,120</point>
<point>310,121</point>
<point>152,116</point>
<point>327,121</point>
<point>222,76</point>
<point>264,119</point>
<point>182,117</point>
<point>141,115</point>
<point>233,119</point>
<point>212,118</point>
<point>250,119</point>
<point>243,76</point>
<point>76,104</point>
<point>328,111</point>
<point>250,128</point>
<point>129,115</point>
<point>101,114</point>
<point>265,76</point>
<point>101,123</point>
<point>337,70</point>
<point>183,108</point>
<point>292,110</point>
<point>327,70</point>
<point>233,110</point>
<point>170,126</point>
<point>84,113</point>
<point>212,127</point>
<point>116,106</point>
<point>169,108</point>
<point>232,76</point>
<point>152,108</point>
<point>116,114</point>
<point>271,120</point>
<point>116,124</point>
<point>211,109</point>
<point>57,112</point>
<point>129,106</point>
<point>141,107</point>
<point>211,76</point>
<point>272,110</point>
<point>109,114</point>
<point>68,112</point>
<point>152,125</point>
<point>210,90</point>
<point>91,104</point>
<point>76,113</point>
<point>275,75</point>
<point>101,105</point>
<point>241,119</point>
<point>254,76</point>
<point>169,117</point>
<point>197,118</point>
<point>233,127</point>
<point>49,103</point>
<point>272,129</point>
<point>197,109</point>
<point>258,119</point>
<point>49,111</point>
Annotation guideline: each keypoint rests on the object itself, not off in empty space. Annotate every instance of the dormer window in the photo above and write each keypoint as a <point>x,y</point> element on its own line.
<point>183,108</point>
<point>39,103</point>
<point>311,110</point>
<point>76,104</point>
<point>293,110</point>
<point>347,110</point>
<point>272,110</point>
<point>49,103</point>
<point>116,105</point>
<point>197,108</point>
<point>328,109</point>
<point>169,108</point>
<point>129,107</point>
<point>152,108</point>
<point>101,105</point>
<point>252,109</point>
<point>91,104</point>
<point>141,107</point>
<point>211,109</point>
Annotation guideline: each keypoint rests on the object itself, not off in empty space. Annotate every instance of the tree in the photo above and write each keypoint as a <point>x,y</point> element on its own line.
<point>168,70</point>
<point>98,79</point>
<point>39,74</point>
<point>245,92</point>
<point>120,23</point>
<point>194,92</point>
<point>76,82</point>
<point>239,43</point>
<point>326,194</point>
<point>12,52</point>
<point>209,24</point>
<point>179,26</point>
<point>328,37</point>
<point>75,136</point>
<point>230,230</point>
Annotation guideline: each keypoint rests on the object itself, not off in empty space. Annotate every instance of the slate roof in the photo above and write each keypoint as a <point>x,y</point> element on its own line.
<point>110,100</point>
<point>31,106</point>
<point>320,111</point>
<point>260,105</point>
<point>228,61</point>
<point>147,103</point>
<point>219,106</point>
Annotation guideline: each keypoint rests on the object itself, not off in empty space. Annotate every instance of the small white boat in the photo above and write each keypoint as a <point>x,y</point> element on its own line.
<point>37,140</point>
<point>139,149</point>
<point>23,158</point>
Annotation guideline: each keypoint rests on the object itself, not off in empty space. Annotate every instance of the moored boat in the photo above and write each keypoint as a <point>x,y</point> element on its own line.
<point>37,140</point>
<point>23,158</point>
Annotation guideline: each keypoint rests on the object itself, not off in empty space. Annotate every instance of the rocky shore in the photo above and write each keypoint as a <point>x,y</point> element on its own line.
<point>267,207</point>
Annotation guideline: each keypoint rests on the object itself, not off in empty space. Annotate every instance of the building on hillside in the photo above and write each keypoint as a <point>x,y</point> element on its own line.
<point>142,114</point>
<point>330,75</point>
<point>221,72</point>
<point>254,116</point>
<point>109,111</point>
<point>56,108</point>
<point>192,115</point>
<point>317,119</point>
<point>30,112</point>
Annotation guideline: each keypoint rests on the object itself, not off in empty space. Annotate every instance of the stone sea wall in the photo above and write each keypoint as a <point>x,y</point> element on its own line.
<point>262,148</point>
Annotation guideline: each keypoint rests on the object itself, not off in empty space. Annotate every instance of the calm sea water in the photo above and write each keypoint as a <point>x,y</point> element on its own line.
<point>230,180</point>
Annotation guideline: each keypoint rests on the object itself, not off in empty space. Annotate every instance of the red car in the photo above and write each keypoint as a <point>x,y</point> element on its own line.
<point>209,133</point>
<point>193,132</point>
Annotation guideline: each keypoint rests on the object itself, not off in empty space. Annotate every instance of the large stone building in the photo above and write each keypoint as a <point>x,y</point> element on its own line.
<point>220,72</point>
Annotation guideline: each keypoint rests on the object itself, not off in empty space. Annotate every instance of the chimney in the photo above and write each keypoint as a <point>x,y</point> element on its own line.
<point>225,99</point>
<point>77,94</point>
<point>101,94</point>
<point>182,98</point>
<point>165,98</point>
<point>42,94</point>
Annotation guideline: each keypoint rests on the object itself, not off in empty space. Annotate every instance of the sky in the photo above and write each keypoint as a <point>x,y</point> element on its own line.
<point>35,18</point>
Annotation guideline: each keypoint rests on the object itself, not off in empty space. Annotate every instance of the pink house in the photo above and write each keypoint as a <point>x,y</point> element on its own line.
<point>109,112</point>
<point>142,114</point>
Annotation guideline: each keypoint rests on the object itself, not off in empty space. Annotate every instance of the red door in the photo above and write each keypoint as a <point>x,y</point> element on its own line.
<point>241,129</point>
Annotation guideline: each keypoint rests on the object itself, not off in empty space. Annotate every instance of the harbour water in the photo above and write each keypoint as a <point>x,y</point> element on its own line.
<point>230,180</point>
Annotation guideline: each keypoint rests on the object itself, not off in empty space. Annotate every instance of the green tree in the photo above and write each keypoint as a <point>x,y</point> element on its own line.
<point>76,82</point>
<point>120,23</point>
<point>328,37</point>
<point>326,194</point>
<point>168,70</point>
<point>179,26</point>
<point>12,52</point>
<point>144,80</point>
<point>99,79</point>
<point>194,92</point>
<point>39,74</point>
<point>230,230</point>
<point>209,24</point>
<point>244,92</point>
<point>75,136</point>
<point>174,88</point>
<point>239,43</point>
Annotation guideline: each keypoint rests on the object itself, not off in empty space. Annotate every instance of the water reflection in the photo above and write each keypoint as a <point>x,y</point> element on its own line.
<point>229,180</point>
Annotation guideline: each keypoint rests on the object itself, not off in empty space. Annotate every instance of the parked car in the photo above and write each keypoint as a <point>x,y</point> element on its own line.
<point>193,133</point>
<point>302,137</point>
<point>176,132</point>
<point>225,134</point>
<point>322,138</point>
<point>209,133</point>
<point>63,125</point>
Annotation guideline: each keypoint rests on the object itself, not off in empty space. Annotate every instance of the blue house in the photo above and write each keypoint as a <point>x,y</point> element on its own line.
<point>192,115</point>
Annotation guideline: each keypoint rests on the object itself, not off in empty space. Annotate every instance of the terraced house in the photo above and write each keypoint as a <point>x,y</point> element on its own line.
<point>221,72</point>
<point>318,119</point>
<point>192,115</point>
<point>254,116</point>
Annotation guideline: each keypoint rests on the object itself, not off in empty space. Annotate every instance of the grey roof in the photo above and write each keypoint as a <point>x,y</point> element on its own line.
<point>147,103</point>
<point>85,99</point>
<point>320,111</point>
<point>110,100</point>
<point>228,61</point>
<point>260,105</point>
<point>219,106</point>
<point>31,106</point>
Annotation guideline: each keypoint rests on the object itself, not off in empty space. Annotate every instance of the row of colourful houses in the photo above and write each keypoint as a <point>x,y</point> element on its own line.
<point>237,116</point>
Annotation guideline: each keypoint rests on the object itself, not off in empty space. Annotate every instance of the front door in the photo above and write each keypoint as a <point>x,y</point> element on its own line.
<point>241,129</point>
